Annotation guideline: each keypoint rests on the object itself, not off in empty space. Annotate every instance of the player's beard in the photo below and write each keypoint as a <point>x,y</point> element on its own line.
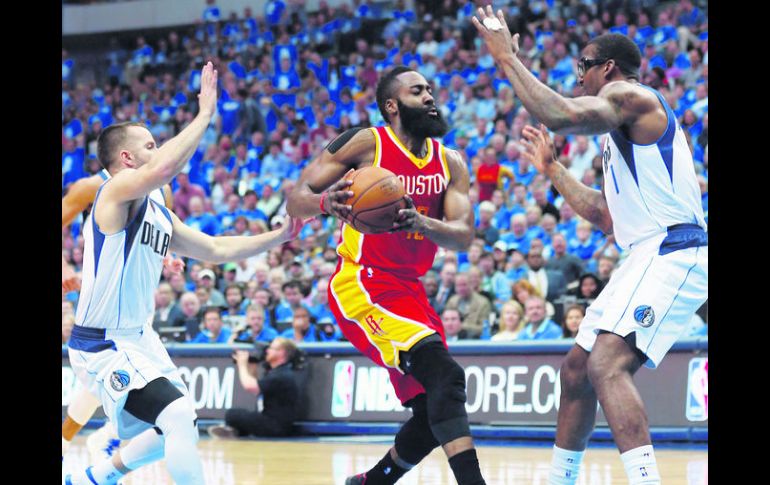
<point>419,123</point>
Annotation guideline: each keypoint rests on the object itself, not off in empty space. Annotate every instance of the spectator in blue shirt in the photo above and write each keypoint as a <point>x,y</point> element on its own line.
<point>214,331</point>
<point>582,245</point>
<point>302,329</point>
<point>275,164</point>
<point>254,329</point>
<point>250,210</point>
<point>517,238</point>
<point>227,217</point>
<point>538,327</point>
<point>291,301</point>
<point>200,220</point>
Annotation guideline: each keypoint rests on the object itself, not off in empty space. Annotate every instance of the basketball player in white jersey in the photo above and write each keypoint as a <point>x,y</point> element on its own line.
<point>127,235</point>
<point>651,203</point>
<point>83,404</point>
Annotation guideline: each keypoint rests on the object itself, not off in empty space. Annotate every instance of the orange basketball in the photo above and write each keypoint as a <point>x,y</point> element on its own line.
<point>378,195</point>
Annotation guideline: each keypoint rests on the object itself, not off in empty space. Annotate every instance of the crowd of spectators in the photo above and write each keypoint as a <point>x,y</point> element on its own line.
<point>292,79</point>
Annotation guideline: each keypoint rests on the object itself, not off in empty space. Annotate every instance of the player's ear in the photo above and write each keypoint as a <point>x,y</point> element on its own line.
<point>126,159</point>
<point>391,107</point>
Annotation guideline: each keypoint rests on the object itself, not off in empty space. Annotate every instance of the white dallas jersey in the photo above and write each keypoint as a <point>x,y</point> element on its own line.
<point>650,187</point>
<point>121,271</point>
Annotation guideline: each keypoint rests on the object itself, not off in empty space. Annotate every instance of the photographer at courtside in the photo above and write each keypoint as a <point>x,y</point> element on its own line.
<point>280,392</point>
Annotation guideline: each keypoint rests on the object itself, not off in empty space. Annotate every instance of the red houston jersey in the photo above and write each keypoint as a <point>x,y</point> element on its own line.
<point>488,179</point>
<point>406,254</point>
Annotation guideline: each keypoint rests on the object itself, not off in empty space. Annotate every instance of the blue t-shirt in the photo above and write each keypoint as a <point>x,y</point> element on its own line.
<point>205,223</point>
<point>547,330</point>
<point>73,166</point>
<point>310,336</point>
<point>266,335</point>
<point>204,337</point>
<point>226,218</point>
<point>273,11</point>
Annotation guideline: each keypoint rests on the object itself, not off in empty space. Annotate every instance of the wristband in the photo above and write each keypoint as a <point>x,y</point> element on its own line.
<point>323,197</point>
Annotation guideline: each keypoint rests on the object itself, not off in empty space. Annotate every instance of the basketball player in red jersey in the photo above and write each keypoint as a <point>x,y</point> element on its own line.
<point>375,293</point>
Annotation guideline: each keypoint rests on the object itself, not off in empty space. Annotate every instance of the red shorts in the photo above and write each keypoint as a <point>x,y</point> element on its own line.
<point>381,315</point>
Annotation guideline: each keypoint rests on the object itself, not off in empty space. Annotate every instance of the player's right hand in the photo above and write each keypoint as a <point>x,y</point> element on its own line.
<point>538,147</point>
<point>336,197</point>
<point>207,98</point>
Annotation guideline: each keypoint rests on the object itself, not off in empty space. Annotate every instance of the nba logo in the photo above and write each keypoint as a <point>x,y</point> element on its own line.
<point>342,390</point>
<point>698,390</point>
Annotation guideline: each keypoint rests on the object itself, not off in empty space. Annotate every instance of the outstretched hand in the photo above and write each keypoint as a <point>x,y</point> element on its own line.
<point>292,227</point>
<point>207,98</point>
<point>494,30</point>
<point>538,147</point>
<point>334,202</point>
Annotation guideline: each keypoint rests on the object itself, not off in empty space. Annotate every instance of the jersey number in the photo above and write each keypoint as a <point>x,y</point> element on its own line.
<point>423,210</point>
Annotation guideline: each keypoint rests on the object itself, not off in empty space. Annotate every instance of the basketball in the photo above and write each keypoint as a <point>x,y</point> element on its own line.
<point>378,195</point>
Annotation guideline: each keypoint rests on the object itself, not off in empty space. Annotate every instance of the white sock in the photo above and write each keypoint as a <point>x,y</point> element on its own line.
<point>177,421</point>
<point>641,467</point>
<point>103,473</point>
<point>65,445</point>
<point>565,465</point>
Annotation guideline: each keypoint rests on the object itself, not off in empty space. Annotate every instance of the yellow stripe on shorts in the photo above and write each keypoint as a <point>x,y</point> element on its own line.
<point>387,331</point>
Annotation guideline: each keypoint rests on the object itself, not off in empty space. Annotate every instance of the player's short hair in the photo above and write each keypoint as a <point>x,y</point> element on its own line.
<point>109,141</point>
<point>622,50</point>
<point>386,88</point>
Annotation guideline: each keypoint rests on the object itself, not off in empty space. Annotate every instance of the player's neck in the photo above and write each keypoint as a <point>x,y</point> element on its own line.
<point>414,144</point>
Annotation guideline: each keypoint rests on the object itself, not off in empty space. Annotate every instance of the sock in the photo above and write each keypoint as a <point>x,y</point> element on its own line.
<point>177,422</point>
<point>641,467</point>
<point>144,449</point>
<point>565,465</point>
<point>387,471</point>
<point>465,466</point>
<point>103,473</point>
<point>65,445</point>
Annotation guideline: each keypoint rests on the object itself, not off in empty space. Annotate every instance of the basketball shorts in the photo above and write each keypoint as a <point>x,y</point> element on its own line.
<point>653,294</point>
<point>382,315</point>
<point>112,362</point>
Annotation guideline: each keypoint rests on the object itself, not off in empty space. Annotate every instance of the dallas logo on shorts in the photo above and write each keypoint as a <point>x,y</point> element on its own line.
<point>119,380</point>
<point>644,315</point>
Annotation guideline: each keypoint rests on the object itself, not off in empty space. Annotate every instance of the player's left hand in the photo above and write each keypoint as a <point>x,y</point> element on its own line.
<point>175,265</point>
<point>499,41</point>
<point>538,147</point>
<point>292,226</point>
<point>409,219</point>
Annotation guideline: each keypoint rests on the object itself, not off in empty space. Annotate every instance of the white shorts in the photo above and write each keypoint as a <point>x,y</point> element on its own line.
<point>650,294</point>
<point>113,363</point>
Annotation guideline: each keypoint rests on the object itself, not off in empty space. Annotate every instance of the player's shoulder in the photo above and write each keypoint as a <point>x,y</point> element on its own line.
<point>629,95</point>
<point>354,139</point>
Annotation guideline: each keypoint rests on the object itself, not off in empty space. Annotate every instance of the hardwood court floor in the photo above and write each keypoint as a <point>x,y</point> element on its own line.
<point>328,461</point>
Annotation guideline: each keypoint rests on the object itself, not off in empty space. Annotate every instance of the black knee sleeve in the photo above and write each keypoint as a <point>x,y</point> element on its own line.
<point>147,403</point>
<point>415,440</point>
<point>444,383</point>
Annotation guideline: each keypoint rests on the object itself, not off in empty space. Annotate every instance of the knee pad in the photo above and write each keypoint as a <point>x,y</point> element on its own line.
<point>444,383</point>
<point>148,402</point>
<point>415,440</point>
<point>178,417</point>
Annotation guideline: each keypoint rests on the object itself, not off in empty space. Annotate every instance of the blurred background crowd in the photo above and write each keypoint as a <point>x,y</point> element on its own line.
<point>292,79</point>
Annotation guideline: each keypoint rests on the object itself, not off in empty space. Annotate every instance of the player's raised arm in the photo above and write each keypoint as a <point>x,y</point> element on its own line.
<point>587,202</point>
<point>456,230</point>
<point>140,176</point>
<point>614,105</point>
<point>186,241</point>
<point>348,151</point>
